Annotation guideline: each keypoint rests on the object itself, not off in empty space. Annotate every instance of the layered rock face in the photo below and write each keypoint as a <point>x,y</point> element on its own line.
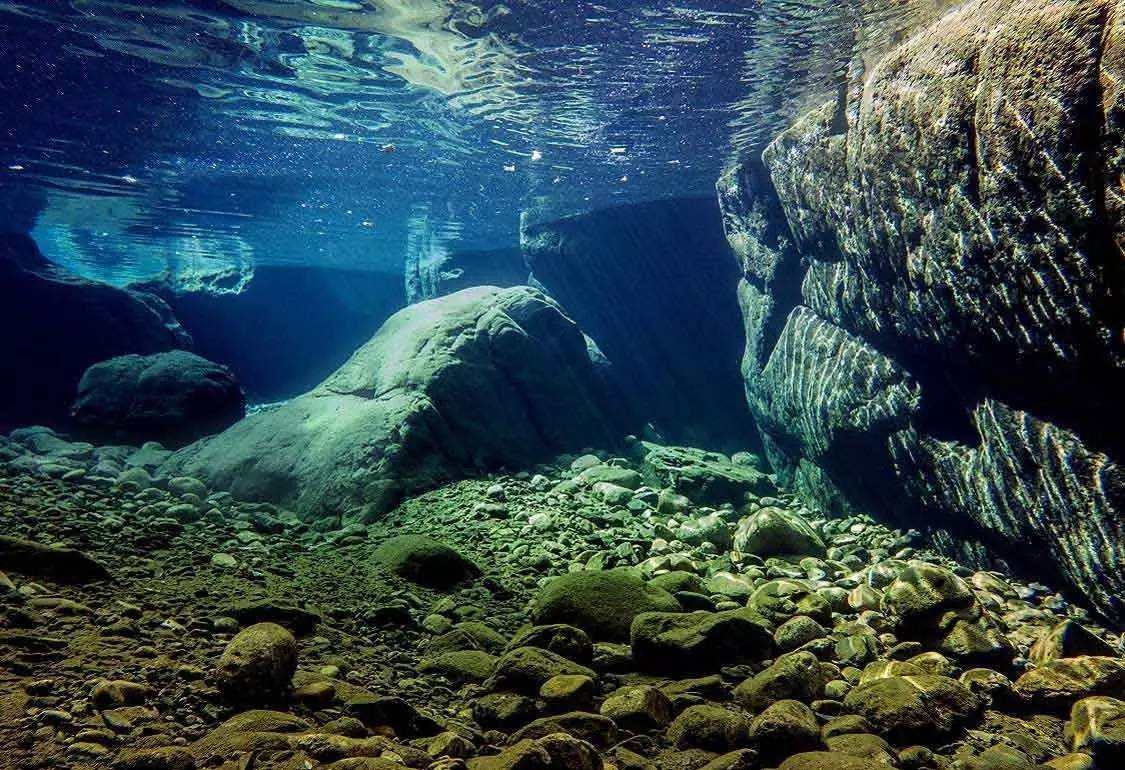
<point>654,285</point>
<point>174,398</point>
<point>932,287</point>
<point>475,380</point>
<point>57,324</point>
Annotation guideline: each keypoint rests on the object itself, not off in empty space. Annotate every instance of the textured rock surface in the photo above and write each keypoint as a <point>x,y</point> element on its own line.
<point>932,283</point>
<point>57,324</point>
<point>653,283</point>
<point>174,398</point>
<point>478,379</point>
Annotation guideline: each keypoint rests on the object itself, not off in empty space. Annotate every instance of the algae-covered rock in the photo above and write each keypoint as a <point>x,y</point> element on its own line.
<point>602,603</point>
<point>784,728</point>
<point>424,560</point>
<point>593,728</point>
<point>797,676</point>
<point>460,665</point>
<point>912,709</point>
<point>637,708</point>
<point>554,751</point>
<point>779,600</point>
<point>1058,684</point>
<point>258,664</point>
<point>711,727</point>
<point>829,760</point>
<point>923,591</point>
<point>526,669</point>
<point>706,478</point>
<point>699,641</point>
<point>776,532</point>
<point>570,642</point>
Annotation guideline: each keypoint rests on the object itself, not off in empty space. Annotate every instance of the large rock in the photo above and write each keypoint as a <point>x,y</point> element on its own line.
<point>450,387</point>
<point>174,398</point>
<point>65,565</point>
<point>424,560</point>
<point>797,676</point>
<point>706,478</point>
<point>1058,684</point>
<point>912,709</point>
<point>57,324</point>
<point>934,330</point>
<point>672,643</point>
<point>776,532</point>
<point>601,603</point>
<point>258,664</point>
<point>654,284</point>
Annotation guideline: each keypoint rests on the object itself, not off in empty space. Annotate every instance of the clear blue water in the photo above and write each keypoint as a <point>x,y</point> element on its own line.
<point>359,133</point>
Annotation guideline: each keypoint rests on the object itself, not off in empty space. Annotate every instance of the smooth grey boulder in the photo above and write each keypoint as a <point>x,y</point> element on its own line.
<point>174,398</point>
<point>447,388</point>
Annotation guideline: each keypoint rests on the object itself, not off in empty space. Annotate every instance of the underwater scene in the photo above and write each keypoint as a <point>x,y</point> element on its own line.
<point>562,384</point>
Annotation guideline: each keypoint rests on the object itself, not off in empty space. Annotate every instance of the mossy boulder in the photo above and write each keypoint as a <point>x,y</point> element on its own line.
<point>784,728</point>
<point>421,559</point>
<point>602,603</point>
<point>1055,686</point>
<point>698,642</point>
<point>710,727</point>
<point>258,664</point>
<point>777,532</point>
<point>570,642</point>
<point>593,728</point>
<point>460,665</point>
<point>913,709</point>
<point>611,474</point>
<point>779,600</point>
<point>797,676</point>
<point>525,669</point>
<point>924,591</point>
<point>830,760</point>
<point>705,478</point>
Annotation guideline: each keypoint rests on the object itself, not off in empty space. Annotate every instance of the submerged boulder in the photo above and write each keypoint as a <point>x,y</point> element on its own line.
<point>705,478</point>
<point>447,388</point>
<point>667,642</point>
<point>258,664</point>
<point>424,560</point>
<point>777,532</point>
<point>57,324</point>
<point>174,398</point>
<point>601,603</point>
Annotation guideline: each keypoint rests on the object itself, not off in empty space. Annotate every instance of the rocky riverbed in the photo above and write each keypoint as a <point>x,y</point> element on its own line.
<point>656,607</point>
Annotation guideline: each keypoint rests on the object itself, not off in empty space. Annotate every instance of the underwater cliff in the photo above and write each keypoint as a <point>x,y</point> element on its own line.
<point>562,386</point>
